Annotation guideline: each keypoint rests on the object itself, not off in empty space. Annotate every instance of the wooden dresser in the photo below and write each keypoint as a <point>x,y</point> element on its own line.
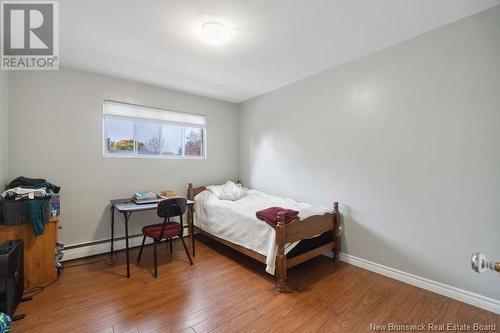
<point>39,251</point>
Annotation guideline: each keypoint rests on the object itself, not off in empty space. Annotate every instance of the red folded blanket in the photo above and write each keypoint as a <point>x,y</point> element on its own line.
<point>270,215</point>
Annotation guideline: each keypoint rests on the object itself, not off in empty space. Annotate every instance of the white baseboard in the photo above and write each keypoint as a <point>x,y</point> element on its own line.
<point>461,295</point>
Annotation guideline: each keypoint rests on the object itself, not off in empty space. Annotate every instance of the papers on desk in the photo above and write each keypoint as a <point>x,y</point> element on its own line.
<point>139,196</point>
<point>147,201</point>
<point>147,197</point>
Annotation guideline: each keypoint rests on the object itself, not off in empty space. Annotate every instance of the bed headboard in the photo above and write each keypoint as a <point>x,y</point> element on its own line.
<point>193,191</point>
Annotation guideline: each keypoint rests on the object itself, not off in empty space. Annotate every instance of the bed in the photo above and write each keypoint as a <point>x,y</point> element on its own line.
<point>233,223</point>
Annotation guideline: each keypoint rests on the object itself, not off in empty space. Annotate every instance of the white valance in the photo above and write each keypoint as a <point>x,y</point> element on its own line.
<point>118,109</point>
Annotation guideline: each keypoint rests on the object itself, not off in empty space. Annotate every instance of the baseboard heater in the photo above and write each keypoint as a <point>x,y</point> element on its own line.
<point>93,248</point>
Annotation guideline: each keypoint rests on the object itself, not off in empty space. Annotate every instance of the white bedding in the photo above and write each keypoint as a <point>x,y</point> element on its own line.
<point>235,221</point>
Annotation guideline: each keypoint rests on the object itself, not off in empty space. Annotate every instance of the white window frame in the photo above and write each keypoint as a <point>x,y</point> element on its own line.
<point>136,120</point>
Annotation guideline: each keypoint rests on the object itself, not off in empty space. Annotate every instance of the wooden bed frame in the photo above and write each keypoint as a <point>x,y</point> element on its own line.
<point>294,231</point>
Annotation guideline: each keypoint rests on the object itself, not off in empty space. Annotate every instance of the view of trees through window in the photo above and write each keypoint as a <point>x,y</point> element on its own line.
<point>132,137</point>
<point>193,145</point>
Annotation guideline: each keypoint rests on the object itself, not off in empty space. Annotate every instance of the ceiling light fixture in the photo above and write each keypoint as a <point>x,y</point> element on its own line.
<point>214,33</point>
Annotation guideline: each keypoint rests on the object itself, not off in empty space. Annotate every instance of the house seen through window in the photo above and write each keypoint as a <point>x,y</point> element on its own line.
<point>138,131</point>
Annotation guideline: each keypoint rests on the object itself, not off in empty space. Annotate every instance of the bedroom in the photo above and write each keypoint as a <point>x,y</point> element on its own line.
<point>389,108</point>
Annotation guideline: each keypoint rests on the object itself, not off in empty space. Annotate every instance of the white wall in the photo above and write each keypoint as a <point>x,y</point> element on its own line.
<point>407,139</point>
<point>4,129</point>
<point>56,133</point>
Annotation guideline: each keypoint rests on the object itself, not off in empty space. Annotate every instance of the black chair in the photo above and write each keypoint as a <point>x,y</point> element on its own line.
<point>166,209</point>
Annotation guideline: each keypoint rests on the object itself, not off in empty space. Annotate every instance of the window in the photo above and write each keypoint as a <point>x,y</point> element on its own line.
<point>138,131</point>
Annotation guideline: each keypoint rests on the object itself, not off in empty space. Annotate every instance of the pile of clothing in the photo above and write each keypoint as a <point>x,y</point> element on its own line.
<point>59,255</point>
<point>5,323</point>
<point>18,193</point>
<point>28,189</point>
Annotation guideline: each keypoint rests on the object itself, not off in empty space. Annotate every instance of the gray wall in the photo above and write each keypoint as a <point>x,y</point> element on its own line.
<point>407,139</point>
<point>57,117</point>
<point>4,128</point>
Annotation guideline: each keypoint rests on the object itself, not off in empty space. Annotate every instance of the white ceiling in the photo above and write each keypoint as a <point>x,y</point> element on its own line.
<point>276,42</point>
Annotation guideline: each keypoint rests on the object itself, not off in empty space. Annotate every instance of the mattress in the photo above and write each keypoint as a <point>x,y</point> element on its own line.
<point>235,221</point>
<point>306,245</point>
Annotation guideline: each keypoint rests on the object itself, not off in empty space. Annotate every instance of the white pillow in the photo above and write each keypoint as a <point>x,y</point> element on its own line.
<point>227,191</point>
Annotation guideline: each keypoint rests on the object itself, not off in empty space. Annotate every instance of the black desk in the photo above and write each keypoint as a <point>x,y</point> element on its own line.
<point>127,207</point>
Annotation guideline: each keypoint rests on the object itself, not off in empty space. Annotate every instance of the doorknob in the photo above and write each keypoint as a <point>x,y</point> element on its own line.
<point>480,264</point>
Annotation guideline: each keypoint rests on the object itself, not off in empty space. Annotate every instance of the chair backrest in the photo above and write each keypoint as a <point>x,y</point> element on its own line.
<point>172,207</point>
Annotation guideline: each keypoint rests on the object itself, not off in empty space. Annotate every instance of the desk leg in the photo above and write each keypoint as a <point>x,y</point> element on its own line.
<point>127,216</point>
<point>191,228</point>
<point>112,227</point>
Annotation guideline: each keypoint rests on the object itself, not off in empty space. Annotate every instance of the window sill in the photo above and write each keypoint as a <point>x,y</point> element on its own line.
<point>157,157</point>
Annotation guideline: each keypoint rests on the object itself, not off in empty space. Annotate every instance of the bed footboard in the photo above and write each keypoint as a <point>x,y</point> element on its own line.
<point>302,229</point>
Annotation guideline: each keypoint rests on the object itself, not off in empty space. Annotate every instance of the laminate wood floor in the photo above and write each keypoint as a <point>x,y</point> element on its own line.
<point>225,291</point>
